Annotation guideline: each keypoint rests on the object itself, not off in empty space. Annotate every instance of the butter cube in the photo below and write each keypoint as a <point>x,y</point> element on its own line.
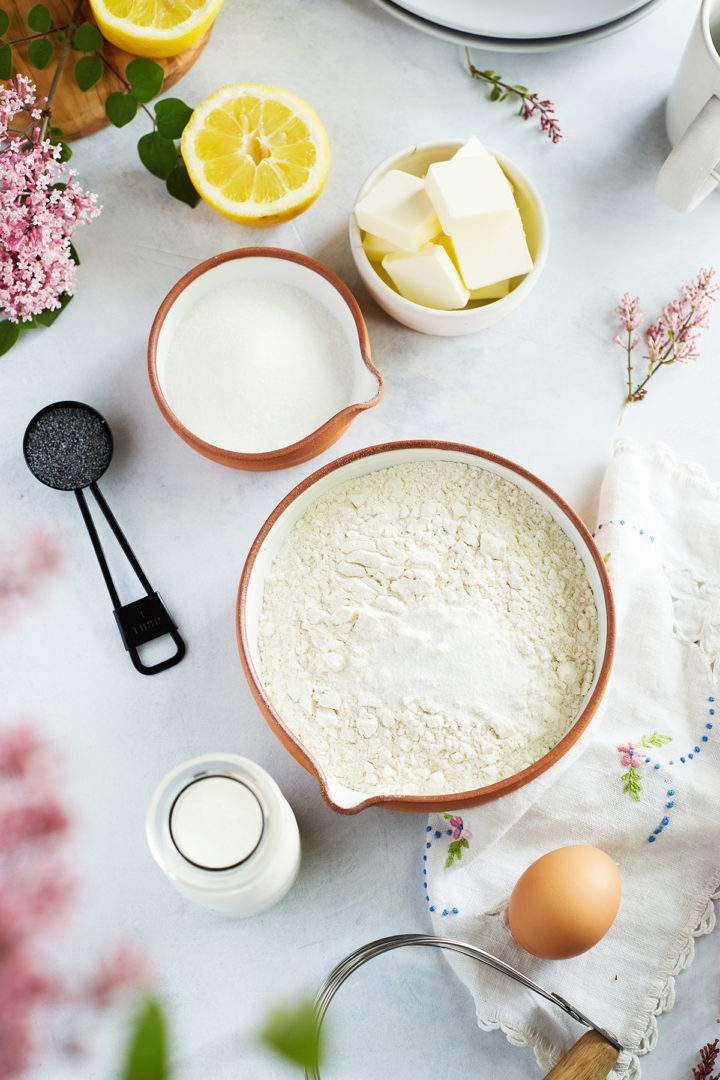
<point>399,211</point>
<point>472,148</point>
<point>428,278</point>
<point>466,189</point>
<point>491,292</point>
<point>492,249</point>
<point>376,248</point>
<point>488,292</point>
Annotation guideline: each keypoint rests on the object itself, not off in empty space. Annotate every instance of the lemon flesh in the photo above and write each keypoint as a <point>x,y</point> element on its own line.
<point>257,154</point>
<point>155,28</point>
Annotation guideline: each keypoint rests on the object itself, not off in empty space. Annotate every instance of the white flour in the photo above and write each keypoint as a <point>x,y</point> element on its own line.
<point>427,629</point>
<point>257,365</point>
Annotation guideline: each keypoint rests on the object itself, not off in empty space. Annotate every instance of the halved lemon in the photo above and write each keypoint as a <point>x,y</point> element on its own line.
<point>257,154</point>
<point>154,27</point>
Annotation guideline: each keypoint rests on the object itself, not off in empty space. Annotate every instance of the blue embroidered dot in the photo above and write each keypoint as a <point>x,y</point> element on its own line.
<point>704,738</point>
<point>432,907</point>
<point>683,760</point>
<point>437,835</point>
<point>671,790</point>
<point>711,699</point>
<point>712,712</point>
<point>672,762</point>
<point>646,759</point>
<point>599,526</point>
<point>428,845</point>
<point>670,805</point>
<point>446,912</point>
<point>455,911</point>
<point>658,830</point>
<point>690,757</point>
<point>666,821</point>
<point>424,871</point>
<point>642,532</point>
<point>697,749</point>
<point>709,727</point>
<point>424,858</point>
<point>428,828</point>
<point>650,838</point>
<point>622,522</point>
<point>448,832</point>
<point>655,766</point>
<point>427,898</point>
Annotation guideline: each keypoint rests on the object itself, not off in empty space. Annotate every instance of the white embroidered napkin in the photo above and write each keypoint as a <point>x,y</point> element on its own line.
<point>656,810</point>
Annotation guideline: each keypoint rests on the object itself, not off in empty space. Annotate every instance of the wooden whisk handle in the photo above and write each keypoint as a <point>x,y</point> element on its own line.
<point>591,1058</point>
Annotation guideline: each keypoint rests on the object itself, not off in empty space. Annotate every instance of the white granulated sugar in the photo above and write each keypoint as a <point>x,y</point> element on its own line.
<point>257,365</point>
<point>427,629</point>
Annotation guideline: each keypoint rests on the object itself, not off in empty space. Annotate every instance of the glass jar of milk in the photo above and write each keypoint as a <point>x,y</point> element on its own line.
<point>224,834</point>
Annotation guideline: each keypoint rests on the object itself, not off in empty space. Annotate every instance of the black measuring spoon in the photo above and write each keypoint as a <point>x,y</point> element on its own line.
<point>68,446</point>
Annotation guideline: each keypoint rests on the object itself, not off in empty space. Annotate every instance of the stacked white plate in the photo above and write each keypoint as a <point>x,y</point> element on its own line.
<point>519,25</point>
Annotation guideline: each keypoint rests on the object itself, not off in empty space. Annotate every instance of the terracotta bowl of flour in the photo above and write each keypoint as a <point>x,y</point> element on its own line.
<point>425,626</point>
<point>259,359</point>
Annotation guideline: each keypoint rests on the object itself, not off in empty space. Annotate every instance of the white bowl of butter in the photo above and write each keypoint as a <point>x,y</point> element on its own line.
<point>465,241</point>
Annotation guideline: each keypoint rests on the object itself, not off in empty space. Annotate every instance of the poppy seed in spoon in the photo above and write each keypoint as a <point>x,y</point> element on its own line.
<point>68,446</point>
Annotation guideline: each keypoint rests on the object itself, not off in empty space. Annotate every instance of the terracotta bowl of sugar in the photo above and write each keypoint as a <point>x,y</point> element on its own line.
<point>259,358</point>
<point>425,626</point>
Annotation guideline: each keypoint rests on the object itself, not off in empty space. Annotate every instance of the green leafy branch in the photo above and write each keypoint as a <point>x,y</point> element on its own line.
<point>530,103</point>
<point>147,1053</point>
<point>159,149</point>
<point>42,41</point>
<point>632,786</point>
<point>455,850</point>
<point>292,1032</point>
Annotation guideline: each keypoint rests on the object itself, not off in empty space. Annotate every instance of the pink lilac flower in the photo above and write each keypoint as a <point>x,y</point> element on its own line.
<point>17,748</point>
<point>630,755</point>
<point>41,204</point>
<point>24,566</point>
<point>630,316</point>
<point>120,969</point>
<point>35,898</point>
<point>675,335</point>
<point>546,110</point>
<point>458,827</point>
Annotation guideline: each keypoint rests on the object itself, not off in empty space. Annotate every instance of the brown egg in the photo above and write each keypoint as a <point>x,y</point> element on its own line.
<point>565,902</point>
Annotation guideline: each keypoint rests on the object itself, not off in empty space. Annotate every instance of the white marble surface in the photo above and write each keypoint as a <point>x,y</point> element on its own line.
<point>543,388</point>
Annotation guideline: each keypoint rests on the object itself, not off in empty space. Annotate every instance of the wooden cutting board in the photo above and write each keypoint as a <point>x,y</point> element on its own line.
<point>80,112</point>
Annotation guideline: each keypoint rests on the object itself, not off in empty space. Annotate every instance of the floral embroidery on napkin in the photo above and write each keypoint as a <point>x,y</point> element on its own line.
<point>633,756</point>
<point>459,841</point>
<point>437,834</point>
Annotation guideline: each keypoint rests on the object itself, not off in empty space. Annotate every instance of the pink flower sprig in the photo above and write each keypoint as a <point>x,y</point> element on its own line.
<point>674,337</point>
<point>531,104</point>
<point>708,1056</point>
<point>41,205</point>
<point>35,899</point>
<point>24,567</point>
